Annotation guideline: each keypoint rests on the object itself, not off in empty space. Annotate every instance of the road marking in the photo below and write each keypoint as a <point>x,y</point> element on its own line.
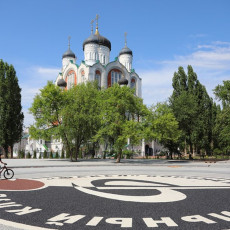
<point>21,185</point>
<point>157,188</point>
<point>166,195</point>
<point>22,226</point>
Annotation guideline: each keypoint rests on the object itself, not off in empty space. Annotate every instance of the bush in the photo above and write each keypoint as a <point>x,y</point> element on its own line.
<point>35,154</point>
<point>51,155</point>
<point>57,155</point>
<point>67,154</point>
<point>40,156</point>
<point>127,153</point>
<point>217,151</point>
<point>28,155</point>
<point>62,154</point>
<point>22,154</point>
<point>45,155</point>
<point>80,154</point>
<point>105,153</point>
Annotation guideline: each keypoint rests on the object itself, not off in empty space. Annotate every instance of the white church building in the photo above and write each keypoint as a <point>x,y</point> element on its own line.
<point>98,66</point>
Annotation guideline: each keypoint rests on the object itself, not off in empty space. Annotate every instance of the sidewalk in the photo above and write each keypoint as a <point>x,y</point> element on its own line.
<point>33,163</point>
<point>39,163</point>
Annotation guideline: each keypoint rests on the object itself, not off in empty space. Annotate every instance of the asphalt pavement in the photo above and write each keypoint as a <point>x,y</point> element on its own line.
<point>100,194</point>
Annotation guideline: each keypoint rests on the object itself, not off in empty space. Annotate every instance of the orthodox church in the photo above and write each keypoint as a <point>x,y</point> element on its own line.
<point>97,65</point>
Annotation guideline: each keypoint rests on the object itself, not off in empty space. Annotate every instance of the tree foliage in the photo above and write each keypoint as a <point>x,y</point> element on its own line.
<point>192,108</point>
<point>222,122</point>
<point>81,115</point>
<point>70,115</point>
<point>164,127</point>
<point>121,112</point>
<point>222,93</point>
<point>11,116</point>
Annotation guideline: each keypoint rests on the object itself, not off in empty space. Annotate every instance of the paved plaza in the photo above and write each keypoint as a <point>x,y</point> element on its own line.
<point>101,194</point>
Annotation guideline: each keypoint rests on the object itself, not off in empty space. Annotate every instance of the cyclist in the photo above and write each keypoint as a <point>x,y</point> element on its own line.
<point>1,161</point>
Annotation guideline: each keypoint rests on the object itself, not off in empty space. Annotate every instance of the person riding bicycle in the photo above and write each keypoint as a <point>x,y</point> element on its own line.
<point>1,160</point>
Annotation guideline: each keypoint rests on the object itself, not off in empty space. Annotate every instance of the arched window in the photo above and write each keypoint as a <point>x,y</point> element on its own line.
<point>133,83</point>
<point>98,77</point>
<point>82,76</point>
<point>71,79</point>
<point>113,77</point>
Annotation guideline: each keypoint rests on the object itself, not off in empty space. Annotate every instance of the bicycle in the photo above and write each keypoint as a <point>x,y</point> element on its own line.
<point>8,173</point>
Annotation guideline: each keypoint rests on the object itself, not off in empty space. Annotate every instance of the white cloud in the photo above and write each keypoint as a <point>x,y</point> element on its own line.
<point>28,118</point>
<point>214,56</point>
<point>34,78</point>
<point>209,61</point>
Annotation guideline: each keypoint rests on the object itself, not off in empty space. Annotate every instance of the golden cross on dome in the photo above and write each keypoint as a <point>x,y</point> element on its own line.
<point>97,17</point>
<point>125,39</point>
<point>69,41</point>
<point>92,25</point>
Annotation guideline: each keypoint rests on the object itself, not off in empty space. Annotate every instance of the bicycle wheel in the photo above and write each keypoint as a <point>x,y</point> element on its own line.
<point>8,173</point>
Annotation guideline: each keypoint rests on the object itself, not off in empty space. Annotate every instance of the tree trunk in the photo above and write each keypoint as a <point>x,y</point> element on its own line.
<point>71,154</point>
<point>190,149</point>
<point>104,154</point>
<point>185,147</point>
<point>194,151</point>
<point>76,152</point>
<point>6,151</point>
<point>119,156</point>
<point>12,152</point>
<point>68,147</point>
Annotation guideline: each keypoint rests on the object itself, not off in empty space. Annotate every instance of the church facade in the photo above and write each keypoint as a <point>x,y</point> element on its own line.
<point>98,66</point>
<point>95,66</point>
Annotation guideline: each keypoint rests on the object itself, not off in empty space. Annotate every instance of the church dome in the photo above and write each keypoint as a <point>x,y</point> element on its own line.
<point>126,50</point>
<point>123,81</point>
<point>69,53</point>
<point>97,39</point>
<point>61,83</point>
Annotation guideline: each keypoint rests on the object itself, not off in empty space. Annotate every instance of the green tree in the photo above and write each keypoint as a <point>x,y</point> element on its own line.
<point>56,155</point>
<point>164,127</point>
<point>70,115</point>
<point>45,154</point>
<point>47,110</point>
<point>216,110</point>
<point>62,154</point>
<point>51,156</point>
<point>35,154</point>
<point>120,115</point>
<point>222,93</point>
<point>81,115</point>
<point>2,105</point>
<point>222,125</point>
<point>192,108</point>
<point>11,116</point>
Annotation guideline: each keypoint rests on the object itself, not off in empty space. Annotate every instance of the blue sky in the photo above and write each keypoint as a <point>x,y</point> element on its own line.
<point>163,34</point>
